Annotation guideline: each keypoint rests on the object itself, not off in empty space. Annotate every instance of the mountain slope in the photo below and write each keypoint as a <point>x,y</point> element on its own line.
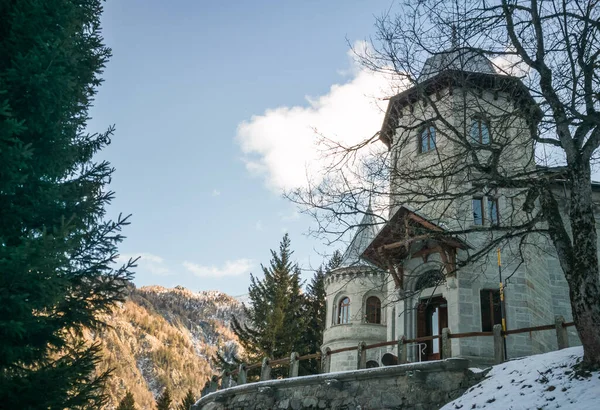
<point>165,338</point>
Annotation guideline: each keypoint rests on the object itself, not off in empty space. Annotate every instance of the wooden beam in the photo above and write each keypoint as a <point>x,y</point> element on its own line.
<point>405,243</point>
<point>397,280</point>
<point>424,222</point>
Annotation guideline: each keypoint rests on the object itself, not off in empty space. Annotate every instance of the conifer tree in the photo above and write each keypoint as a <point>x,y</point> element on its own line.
<point>164,400</point>
<point>275,317</point>
<point>317,311</point>
<point>127,403</point>
<point>56,248</point>
<point>188,401</point>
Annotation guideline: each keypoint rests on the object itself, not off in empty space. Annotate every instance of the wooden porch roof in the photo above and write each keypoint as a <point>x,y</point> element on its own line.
<point>407,234</point>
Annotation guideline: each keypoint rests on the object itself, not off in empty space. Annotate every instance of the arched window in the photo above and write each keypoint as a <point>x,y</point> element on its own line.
<point>427,139</point>
<point>429,279</point>
<point>343,311</point>
<point>373,310</point>
<point>480,131</point>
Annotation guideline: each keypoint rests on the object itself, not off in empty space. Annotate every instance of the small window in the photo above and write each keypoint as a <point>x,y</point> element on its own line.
<point>427,139</point>
<point>491,313</point>
<point>492,211</point>
<point>373,310</point>
<point>478,211</point>
<point>344,311</point>
<point>480,132</point>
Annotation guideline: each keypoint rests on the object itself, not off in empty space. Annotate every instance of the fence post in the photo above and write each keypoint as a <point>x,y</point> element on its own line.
<point>242,374</point>
<point>402,356</point>
<point>361,358</point>
<point>210,386</point>
<point>446,344</point>
<point>498,344</point>
<point>562,337</point>
<point>294,364</point>
<point>326,360</point>
<point>265,370</point>
<point>225,380</point>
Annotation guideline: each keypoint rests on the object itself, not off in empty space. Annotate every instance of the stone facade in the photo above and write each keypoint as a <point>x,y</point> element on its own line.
<point>536,291</point>
<point>418,386</point>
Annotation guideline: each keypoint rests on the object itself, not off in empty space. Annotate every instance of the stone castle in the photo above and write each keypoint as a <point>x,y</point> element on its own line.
<point>402,277</point>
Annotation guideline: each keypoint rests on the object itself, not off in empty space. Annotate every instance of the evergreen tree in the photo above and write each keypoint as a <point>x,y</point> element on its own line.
<point>317,312</point>
<point>276,317</point>
<point>188,401</point>
<point>164,400</point>
<point>127,403</point>
<point>56,248</point>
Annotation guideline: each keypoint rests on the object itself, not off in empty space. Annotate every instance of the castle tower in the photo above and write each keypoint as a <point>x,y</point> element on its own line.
<point>460,117</point>
<point>356,301</point>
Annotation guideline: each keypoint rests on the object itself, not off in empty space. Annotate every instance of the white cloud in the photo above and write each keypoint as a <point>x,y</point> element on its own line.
<point>291,215</point>
<point>230,268</point>
<point>148,263</point>
<point>215,192</point>
<point>281,145</point>
<point>510,64</point>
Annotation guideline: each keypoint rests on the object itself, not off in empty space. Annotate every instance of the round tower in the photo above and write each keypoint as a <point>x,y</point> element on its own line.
<point>356,302</point>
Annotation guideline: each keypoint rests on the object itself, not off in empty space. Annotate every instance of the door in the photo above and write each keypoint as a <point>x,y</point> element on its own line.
<point>432,317</point>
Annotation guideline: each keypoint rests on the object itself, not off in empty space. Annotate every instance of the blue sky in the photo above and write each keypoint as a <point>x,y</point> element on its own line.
<point>215,105</point>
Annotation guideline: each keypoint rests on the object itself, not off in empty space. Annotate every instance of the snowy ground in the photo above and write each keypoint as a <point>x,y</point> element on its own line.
<point>545,381</point>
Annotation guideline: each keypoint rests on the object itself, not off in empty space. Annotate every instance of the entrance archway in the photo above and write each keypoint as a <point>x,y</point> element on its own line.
<point>432,317</point>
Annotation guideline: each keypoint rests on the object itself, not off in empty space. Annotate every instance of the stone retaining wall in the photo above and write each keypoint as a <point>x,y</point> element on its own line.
<point>420,386</point>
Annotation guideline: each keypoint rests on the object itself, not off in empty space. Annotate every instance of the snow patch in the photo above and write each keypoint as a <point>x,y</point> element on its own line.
<point>545,381</point>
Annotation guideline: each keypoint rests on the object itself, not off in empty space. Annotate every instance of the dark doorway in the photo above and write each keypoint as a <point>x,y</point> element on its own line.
<point>432,317</point>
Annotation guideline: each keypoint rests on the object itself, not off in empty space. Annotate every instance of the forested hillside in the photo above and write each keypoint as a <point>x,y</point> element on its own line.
<point>166,338</point>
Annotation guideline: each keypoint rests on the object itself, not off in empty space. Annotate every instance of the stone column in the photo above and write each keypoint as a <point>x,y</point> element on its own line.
<point>562,337</point>
<point>326,361</point>
<point>402,351</point>
<point>498,344</point>
<point>225,380</point>
<point>446,344</point>
<point>265,370</point>
<point>242,374</point>
<point>361,354</point>
<point>211,386</point>
<point>294,364</point>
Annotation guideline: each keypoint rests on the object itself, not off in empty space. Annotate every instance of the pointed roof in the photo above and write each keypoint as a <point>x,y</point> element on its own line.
<point>464,60</point>
<point>456,67</point>
<point>367,230</point>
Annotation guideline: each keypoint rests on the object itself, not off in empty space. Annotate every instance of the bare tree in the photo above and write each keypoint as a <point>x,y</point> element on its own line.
<point>502,101</point>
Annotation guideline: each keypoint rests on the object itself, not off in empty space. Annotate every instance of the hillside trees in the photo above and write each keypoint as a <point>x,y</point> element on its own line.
<point>281,317</point>
<point>127,403</point>
<point>187,401</point>
<point>276,316</point>
<point>164,400</point>
<point>554,49</point>
<point>56,247</point>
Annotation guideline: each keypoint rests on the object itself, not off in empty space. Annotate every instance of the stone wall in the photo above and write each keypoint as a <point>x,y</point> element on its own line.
<point>421,386</point>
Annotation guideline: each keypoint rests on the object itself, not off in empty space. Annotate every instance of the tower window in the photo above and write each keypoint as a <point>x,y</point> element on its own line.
<point>480,132</point>
<point>492,211</point>
<point>490,215</point>
<point>427,139</point>
<point>478,211</point>
<point>343,311</point>
<point>491,313</point>
<point>373,310</point>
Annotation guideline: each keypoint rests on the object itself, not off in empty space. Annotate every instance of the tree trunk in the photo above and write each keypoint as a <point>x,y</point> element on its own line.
<point>583,276</point>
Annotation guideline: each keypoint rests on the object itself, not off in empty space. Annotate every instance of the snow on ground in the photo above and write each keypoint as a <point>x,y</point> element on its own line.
<point>545,381</point>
